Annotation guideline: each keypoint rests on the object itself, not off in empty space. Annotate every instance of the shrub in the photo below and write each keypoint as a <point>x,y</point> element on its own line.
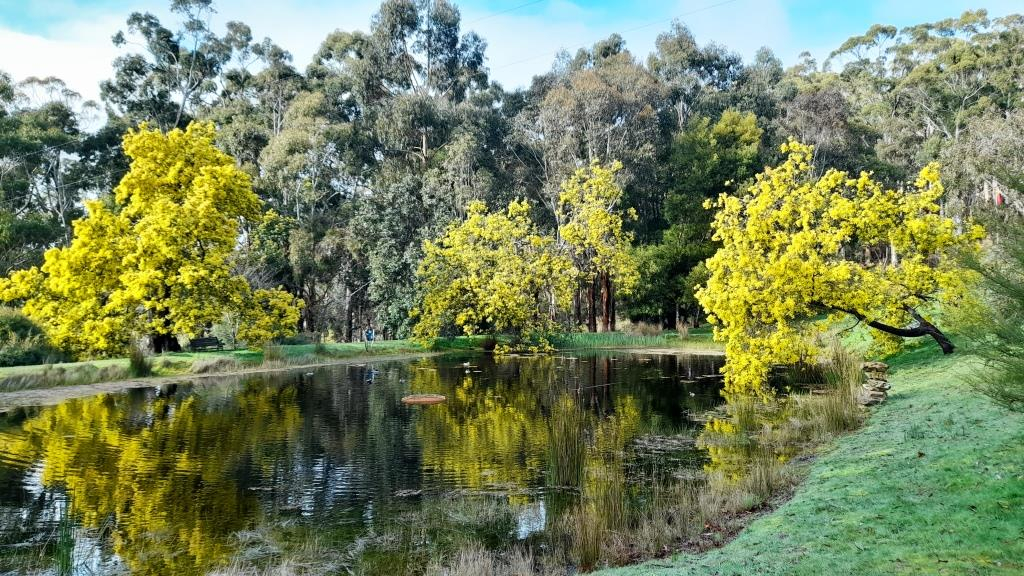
<point>139,365</point>
<point>273,353</point>
<point>22,341</point>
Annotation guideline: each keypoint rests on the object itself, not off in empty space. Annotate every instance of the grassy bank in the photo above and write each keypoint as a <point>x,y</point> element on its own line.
<point>695,339</point>
<point>181,363</point>
<point>933,484</point>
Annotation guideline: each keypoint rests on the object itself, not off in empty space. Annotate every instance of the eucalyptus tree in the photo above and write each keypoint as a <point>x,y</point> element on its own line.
<point>177,71</point>
<point>312,175</point>
<point>698,78</point>
<point>408,89</point>
<point>252,105</point>
<point>600,106</point>
<point>921,87</point>
<point>42,177</point>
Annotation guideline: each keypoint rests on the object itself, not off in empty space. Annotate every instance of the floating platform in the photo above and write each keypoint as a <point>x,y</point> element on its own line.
<point>423,399</point>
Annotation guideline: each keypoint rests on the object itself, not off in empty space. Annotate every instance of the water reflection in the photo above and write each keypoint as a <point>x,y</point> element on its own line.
<point>165,481</point>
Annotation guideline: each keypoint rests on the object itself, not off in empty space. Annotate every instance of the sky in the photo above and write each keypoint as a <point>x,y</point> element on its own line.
<point>70,39</point>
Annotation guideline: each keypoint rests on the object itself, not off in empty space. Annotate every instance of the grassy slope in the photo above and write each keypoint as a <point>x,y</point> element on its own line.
<point>933,484</point>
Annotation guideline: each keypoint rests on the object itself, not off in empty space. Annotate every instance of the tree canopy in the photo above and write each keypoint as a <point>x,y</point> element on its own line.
<point>156,259</point>
<point>388,134</point>
<point>796,247</point>
<point>493,273</point>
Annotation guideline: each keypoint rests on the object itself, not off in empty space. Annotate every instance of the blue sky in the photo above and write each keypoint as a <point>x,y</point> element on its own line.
<point>71,38</point>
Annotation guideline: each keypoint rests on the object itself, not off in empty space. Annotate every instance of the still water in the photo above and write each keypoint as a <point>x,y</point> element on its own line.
<point>192,479</point>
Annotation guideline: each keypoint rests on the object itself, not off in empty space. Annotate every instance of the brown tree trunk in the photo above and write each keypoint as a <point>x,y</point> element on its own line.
<point>165,343</point>
<point>577,300</point>
<point>923,328</point>
<point>592,307</point>
<point>606,303</point>
<point>348,319</point>
<point>613,312</point>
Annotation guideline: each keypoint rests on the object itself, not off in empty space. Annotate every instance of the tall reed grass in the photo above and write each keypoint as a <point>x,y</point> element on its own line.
<point>567,449</point>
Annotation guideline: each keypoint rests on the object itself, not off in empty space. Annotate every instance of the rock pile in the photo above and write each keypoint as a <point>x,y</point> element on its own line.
<point>876,386</point>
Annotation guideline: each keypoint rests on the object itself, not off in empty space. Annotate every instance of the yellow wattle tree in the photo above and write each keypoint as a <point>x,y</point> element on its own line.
<point>796,247</point>
<point>592,227</point>
<point>493,273</point>
<point>156,259</point>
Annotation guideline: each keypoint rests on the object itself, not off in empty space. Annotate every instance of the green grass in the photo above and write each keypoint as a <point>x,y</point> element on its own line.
<point>700,339</point>
<point>177,363</point>
<point>933,484</point>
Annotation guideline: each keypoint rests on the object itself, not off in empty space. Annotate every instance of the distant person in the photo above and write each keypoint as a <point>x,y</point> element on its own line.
<point>368,336</point>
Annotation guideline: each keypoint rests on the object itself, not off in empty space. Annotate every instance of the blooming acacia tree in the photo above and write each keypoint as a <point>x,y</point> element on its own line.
<point>795,247</point>
<point>156,260</point>
<point>592,227</point>
<point>493,273</point>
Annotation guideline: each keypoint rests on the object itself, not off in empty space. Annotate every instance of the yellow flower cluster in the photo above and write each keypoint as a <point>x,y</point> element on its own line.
<point>796,247</point>
<point>157,261</point>
<point>493,272</point>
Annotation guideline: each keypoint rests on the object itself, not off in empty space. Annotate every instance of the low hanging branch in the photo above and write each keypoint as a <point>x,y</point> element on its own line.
<point>922,328</point>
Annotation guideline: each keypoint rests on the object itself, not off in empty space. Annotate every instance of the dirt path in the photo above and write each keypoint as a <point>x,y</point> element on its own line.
<point>56,395</point>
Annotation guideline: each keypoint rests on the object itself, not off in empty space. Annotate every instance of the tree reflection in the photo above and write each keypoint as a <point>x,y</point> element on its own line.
<point>170,476</point>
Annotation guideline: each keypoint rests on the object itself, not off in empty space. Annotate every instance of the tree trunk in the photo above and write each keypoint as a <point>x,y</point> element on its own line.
<point>577,300</point>
<point>606,303</point>
<point>592,307</point>
<point>923,328</point>
<point>612,309</point>
<point>165,343</point>
<point>348,319</point>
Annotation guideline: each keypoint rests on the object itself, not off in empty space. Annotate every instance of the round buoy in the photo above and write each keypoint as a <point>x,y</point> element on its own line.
<point>424,399</point>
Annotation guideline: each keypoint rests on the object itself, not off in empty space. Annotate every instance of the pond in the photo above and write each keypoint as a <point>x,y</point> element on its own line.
<point>330,467</point>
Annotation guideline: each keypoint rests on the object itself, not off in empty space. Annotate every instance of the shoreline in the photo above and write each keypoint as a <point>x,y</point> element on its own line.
<point>934,450</point>
<point>52,395</point>
<point>57,394</point>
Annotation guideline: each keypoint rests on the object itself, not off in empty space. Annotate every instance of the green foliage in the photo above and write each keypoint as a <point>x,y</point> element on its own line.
<point>22,341</point>
<point>705,160</point>
<point>999,331</point>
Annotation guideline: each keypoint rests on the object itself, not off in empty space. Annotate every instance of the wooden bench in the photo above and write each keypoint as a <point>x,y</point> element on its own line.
<point>211,343</point>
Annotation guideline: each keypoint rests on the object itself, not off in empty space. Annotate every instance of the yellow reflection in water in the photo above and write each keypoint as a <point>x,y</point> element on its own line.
<point>163,475</point>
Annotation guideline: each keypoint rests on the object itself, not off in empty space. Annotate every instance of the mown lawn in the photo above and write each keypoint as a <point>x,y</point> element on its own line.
<point>933,484</point>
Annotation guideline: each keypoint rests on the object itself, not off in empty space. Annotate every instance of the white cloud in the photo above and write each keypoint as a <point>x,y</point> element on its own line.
<point>79,56</point>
